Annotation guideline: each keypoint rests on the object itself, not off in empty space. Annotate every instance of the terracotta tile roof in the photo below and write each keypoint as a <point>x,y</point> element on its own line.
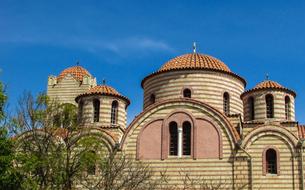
<point>301,131</point>
<point>195,61</point>
<point>77,72</point>
<point>103,90</point>
<point>268,84</point>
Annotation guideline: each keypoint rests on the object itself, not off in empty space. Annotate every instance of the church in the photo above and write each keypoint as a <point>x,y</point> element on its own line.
<point>197,118</point>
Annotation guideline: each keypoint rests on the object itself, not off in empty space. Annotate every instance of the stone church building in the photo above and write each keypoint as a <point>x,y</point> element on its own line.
<point>199,119</point>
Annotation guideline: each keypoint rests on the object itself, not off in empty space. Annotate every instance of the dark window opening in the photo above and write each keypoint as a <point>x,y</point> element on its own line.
<point>152,99</point>
<point>251,108</point>
<point>173,139</point>
<point>187,93</point>
<point>186,141</point>
<point>96,110</point>
<point>271,161</point>
<point>226,103</point>
<point>269,106</point>
<point>114,112</point>
<point>287,108</point>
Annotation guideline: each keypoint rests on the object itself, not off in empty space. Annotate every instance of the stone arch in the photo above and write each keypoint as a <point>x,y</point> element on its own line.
<point>179,116</point>
<point>276,130</point>
<point>230,131</point>
<point>105,137</point>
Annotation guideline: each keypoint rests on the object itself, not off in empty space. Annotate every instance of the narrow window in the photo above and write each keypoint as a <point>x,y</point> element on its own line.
<point>271,161</point>
<point>80,111</point>
<point>96,110</point>
<point>269,106</point>
<point>287,108</point>
<point>91,165</point>
<point>187,93</point>
<point>251,108</point>
<point>173,139</point>
<point>226,103</point>
<point>114,112</point>
<point>152,99</point>
<point>186,143</point>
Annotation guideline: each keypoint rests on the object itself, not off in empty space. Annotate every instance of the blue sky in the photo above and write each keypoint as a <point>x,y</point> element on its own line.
<point>124,41</point>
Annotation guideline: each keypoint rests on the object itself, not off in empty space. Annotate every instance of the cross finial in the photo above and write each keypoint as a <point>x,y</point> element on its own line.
<point>194,47</point>
<point>267,76</point>
<point>77,62</point>
<point>104,81</point>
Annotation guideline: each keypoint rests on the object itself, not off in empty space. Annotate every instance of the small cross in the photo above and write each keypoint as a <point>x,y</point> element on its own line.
<point>77,63</point>
<point>194,47</point>
<point>104,81</point>
<point>267,76</point>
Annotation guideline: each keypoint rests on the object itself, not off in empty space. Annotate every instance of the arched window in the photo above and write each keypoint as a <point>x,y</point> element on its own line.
<point>287,108</point>
<point>269,106</point>
<point>173,138</point>
<point>91,165</point>
<point>271,161</point>
<point>187,93</point>
<point>186,141</point>
<point>80,110</point>
<point>251,108</point>
<point>96,110</point>
<point>114,112</point>
<point>152,99</point>
<point>226,103</point>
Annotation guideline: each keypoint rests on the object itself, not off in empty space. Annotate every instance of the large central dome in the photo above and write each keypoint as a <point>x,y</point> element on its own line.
<point>195,61</point>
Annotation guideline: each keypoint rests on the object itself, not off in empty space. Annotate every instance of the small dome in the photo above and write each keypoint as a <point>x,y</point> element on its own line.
<point>103,90</point>
<point>195,61</point>
<point>268,84</point>
<point>77,72</point>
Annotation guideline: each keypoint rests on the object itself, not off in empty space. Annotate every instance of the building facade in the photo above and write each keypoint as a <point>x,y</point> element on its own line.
<point>197,120</point>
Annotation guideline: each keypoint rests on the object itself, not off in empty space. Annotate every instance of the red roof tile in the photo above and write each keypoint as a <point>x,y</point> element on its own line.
<point>77,72</point>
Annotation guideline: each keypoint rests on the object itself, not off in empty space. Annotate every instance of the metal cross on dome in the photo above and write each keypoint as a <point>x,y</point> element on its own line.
<point>194,47</point>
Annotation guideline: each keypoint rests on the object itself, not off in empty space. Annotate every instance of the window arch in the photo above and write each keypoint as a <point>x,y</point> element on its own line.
<point>269,106</point>
<point>287,108</point>
<point>251,108</point>
<point>114,112</point>
<point>152,99</point>
<point>187,93</point>
<point>271,161</point>
<point>96,110</point>
<point>173,138</point>
<point>186,138</point>
<point>226,103</point>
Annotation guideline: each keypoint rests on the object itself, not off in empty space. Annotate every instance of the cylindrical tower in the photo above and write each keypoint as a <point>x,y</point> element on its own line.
<point>269,101</point>
<point>102,106</point>
<point>197,76</point>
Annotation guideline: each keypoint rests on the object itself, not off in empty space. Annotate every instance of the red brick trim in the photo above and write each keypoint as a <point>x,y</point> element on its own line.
<point>277,160</point>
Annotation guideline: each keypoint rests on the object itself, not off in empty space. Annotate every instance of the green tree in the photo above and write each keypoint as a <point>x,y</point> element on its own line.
<point>10,178</point>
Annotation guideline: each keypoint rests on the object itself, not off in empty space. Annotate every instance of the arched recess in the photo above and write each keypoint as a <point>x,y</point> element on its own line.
<point>105,137</point>
<point>209,139</point>
<point>276,130</point>
<point>149,112</point>
<point>149,141</point>
<point>178,116</point>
